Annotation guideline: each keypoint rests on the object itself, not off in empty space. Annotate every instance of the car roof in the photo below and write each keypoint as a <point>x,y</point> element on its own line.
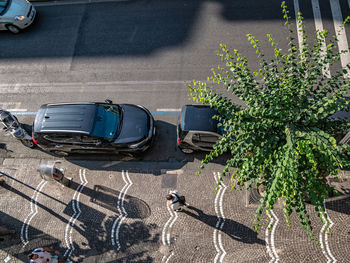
<point>198,118</point>
<point>65,117</point>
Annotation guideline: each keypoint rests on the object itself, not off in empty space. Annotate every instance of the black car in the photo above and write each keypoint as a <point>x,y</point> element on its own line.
<point>93,127</point>
<point>196,128</point>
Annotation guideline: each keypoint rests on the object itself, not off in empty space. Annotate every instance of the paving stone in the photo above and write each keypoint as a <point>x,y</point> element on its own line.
<point>218,224</point>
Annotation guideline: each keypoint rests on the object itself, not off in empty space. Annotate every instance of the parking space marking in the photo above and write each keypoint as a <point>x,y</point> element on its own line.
<point>12,106</point>
<point>270,239</point>
<point>33,211</point>
<point>74,217</point>
<point>217,233</point>
<point>324,238</point>
<point>121,209</point>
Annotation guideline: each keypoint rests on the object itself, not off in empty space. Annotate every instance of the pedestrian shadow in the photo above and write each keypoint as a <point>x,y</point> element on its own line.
<point>233,229</point>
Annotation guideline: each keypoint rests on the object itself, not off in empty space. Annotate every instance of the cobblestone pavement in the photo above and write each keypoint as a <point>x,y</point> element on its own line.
<point>116,212</point>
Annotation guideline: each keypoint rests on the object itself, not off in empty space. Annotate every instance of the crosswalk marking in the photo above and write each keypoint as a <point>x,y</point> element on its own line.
<point>340,31</point>
<point>299,31</point>
<point>319,27</point>
<point>338,26</point>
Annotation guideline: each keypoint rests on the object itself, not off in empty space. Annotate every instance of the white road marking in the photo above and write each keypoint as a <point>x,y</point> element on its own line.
<point>217,233</point>
<point>298,22</point>
<point>74,217</point>
<point>324,244</point>
<point>17,110</point>
<point>11,106</point>
<point>319,27</point>
<point>33,212</point>
<point>172,110</point>
<point>341,34</point>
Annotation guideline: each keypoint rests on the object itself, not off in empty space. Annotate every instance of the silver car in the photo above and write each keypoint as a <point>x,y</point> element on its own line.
<point>16,15</point>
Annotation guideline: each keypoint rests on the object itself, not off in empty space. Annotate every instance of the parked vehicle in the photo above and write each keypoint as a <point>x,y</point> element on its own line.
<point>16,15</point>
<point>196,129</point>
<point>12,125</point>
<point>93,127</point>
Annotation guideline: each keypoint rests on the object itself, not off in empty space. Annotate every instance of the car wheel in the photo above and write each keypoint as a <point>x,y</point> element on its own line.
<point>13,29</point>
<point>187,151</point>
<point>60,153</point>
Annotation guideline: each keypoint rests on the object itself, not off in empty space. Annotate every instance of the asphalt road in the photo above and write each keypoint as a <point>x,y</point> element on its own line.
<point>141,52</point>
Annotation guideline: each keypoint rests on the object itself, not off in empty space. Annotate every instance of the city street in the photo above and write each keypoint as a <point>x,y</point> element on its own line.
<point>143,52</point>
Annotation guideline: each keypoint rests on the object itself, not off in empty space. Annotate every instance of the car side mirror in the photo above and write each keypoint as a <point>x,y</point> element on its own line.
<point>108,101</point>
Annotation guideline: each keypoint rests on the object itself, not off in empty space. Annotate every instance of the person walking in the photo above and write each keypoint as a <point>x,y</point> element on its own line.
<point>176,201</point>
<point>44,255</point>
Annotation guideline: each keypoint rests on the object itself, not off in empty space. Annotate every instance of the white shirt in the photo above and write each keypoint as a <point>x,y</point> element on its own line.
<point>44,256</point>
<point>174,204</point>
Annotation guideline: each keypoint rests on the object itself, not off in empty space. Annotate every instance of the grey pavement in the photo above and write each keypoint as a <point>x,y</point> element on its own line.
<point>120,215</point>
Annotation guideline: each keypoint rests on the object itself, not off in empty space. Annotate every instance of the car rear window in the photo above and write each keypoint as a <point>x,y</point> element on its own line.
<point>106,121</point>
<point>3,6</point>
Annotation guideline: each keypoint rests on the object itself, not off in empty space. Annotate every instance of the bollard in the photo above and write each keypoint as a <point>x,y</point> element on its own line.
<point>50,172</point>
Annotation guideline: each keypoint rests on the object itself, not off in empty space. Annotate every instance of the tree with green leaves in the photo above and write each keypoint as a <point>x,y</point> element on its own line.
<point>282,139</point>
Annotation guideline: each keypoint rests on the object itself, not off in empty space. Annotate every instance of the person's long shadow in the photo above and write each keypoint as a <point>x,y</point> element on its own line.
<point>231,228</point>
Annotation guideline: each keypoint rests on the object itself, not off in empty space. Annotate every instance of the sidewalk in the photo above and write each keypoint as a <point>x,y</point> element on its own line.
<point>116,212</point>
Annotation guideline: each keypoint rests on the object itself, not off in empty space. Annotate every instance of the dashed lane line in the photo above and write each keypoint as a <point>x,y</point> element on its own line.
<point>75,206</point>
<point>33,211</point>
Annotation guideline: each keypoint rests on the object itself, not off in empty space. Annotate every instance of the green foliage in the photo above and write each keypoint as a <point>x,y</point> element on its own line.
<point>282,137</point>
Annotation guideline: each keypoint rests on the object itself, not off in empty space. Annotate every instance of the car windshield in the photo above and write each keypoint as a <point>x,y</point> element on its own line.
<point>3,6</point>
<point>106,121</point>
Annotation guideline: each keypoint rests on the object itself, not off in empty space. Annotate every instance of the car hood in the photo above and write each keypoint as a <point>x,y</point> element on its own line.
<point>135,124</point>
<point>17,8</point>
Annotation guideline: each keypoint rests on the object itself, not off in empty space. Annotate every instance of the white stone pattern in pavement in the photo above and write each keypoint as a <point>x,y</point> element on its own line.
<point>76,213</point>
<point>33,211</point>
<point>166,232</point>
<point>217,233</point>
<point>121,209</point>
<point>270,237</point>
<point>324,238</point>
